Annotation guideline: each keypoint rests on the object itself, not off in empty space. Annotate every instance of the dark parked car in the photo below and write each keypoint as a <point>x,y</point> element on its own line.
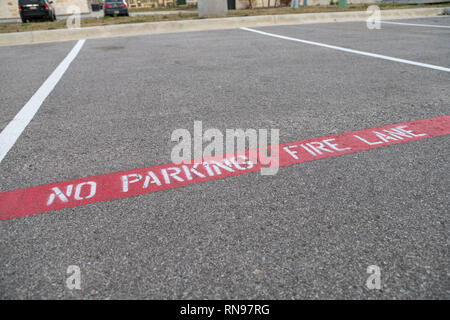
<point>115,7</point>
<point>36,9</point>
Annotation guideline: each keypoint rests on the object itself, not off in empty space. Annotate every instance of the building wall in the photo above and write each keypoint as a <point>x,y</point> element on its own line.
<point>243,4</point>
<point>327,2</point>
<point>8,8</point>
<point>150,3</point>
<point>62,6</point>
<point>155,3</point>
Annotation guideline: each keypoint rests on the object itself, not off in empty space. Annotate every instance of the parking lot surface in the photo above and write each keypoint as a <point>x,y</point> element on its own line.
<point>310,231</point>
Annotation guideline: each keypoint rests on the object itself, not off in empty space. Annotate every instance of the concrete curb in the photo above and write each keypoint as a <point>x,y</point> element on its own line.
<point>133,29</point>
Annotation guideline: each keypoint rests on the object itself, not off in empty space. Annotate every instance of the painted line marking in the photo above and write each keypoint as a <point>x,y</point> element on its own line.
<point>80,192</point>
<point>14,129</point>
<point>416,24</point>
<point>368,54</point>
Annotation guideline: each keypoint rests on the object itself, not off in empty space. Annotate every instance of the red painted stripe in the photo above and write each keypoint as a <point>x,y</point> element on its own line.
<point>110,186</point>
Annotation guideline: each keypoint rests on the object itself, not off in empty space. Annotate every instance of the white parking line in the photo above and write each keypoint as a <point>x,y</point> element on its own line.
<point>14,129</point>
<point>416,24</point>
<point>373,55</point>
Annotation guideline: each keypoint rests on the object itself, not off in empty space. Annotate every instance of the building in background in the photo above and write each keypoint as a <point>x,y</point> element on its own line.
<point>245,4</point>
<point>159,3</point>
<point>9,8</point>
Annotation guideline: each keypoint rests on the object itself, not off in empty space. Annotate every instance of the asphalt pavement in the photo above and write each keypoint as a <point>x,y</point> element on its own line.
<point>308,232</point>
